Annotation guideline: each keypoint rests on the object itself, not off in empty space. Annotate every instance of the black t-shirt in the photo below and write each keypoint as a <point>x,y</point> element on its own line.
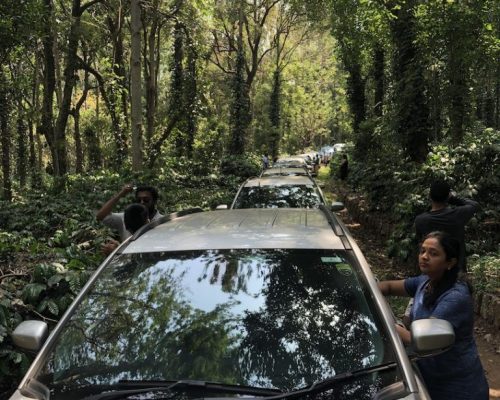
<point>450,220</point>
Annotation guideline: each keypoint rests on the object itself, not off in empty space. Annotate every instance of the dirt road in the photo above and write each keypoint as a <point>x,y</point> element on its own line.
<point>488,340</point>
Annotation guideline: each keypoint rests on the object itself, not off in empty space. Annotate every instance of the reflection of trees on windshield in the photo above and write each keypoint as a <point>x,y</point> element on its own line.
<point>314,324</point>
<point>271,318</point>
<point>136,325</point>
<point>231,269</point>
<point>296,196</point>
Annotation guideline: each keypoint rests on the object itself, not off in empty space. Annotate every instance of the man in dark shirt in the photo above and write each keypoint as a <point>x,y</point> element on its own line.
<point>442,217</point>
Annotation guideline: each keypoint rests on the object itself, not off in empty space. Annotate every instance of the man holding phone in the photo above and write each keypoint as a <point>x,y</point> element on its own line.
<point>146,195</point>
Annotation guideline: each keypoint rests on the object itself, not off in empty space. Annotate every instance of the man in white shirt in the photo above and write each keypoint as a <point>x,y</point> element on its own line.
<point>146,195</point>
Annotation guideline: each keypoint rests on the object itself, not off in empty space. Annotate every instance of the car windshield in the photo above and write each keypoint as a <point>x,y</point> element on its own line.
<point>263,318</point>
<point>289,196</point>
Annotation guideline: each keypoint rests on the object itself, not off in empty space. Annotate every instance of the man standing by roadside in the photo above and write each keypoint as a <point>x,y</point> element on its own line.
<point>442,217</point>
<point>265,161</point>
<point>344,167</point>
<point>146,195</point>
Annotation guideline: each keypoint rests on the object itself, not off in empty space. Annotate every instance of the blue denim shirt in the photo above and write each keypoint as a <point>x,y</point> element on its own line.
<point>457,373</point>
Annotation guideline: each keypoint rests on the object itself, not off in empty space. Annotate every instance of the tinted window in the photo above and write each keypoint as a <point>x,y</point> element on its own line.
<point>266,318</point>
<point>290,196</point>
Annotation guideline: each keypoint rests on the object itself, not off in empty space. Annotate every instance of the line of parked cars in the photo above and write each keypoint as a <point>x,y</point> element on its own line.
<point>269,299</point>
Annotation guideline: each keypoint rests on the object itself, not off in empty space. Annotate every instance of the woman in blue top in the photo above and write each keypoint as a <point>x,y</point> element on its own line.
<point>440,293</point>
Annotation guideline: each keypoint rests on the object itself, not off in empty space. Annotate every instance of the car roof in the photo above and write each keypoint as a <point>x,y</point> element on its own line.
<point>290,228</point>
<point>285,171</point>
<point>280,180</point>
<point>290,159</point>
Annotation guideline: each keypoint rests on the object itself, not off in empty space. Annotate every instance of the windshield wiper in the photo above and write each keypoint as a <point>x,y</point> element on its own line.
<point>145,386</point>
<point>328,383</point>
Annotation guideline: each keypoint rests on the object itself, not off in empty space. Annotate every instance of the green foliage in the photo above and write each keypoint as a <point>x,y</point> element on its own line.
<point>485,271</point>
<point>51,241</point>
<point>242,166</point>
<point>400,188</point>
<point>47,294</point>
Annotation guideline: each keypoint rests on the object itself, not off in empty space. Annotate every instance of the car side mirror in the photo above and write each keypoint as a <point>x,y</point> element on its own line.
<point>431,336</point>
<point>30,335</point>
<point>221,207</point>
<point>337,206</point>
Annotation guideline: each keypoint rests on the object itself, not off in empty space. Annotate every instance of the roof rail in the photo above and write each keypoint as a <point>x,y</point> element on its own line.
<point>332,221</point>
<point>162,220</point>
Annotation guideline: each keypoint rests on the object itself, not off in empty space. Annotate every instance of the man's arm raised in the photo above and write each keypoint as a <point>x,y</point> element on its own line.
<point>108,206</point>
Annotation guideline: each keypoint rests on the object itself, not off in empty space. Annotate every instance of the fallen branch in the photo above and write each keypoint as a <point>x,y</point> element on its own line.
<point>10,275</point>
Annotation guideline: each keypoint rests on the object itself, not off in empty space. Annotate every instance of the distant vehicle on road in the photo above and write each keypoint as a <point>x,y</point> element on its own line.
<point>279,191</point>
<point>338,147</point>
<point>285,171</point>
<point>295,162</point>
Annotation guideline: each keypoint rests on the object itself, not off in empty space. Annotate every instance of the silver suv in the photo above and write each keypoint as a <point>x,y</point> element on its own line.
<point>279,191</point>
<point>261,303</point>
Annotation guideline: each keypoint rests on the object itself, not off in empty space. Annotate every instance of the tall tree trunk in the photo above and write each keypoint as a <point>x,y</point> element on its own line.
<point>93,149</point>
<point>34,166</point>
<point>177,88</point>
<point>412,112</point>
<point>240,109</point>
<point>191,95</point>
<point>378,75</point>
<point>72,62</point>
<point>78,143</point>
<point>151,62</point>
<point>435,106</point>
<point>5,136</point>
<point>58,74</point>
<point>21,150</point>
<point>116,99</point>
<point>135,85</point>
<point>121,144</point>
<point>458,108</point>
<point>49,82</point>
<point>77,137</point>
<point>356,94</point>
<point>497,99</point>
<point>275,114</point>
<point>69,84</point>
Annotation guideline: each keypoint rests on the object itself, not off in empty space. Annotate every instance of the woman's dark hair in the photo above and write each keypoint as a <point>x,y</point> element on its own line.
<point>451,247</point>
<point>135,216</point>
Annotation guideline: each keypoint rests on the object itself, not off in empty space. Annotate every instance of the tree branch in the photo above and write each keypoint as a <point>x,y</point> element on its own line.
<point>11,275</point>
<point>156,147</point>
<point>84,7</point>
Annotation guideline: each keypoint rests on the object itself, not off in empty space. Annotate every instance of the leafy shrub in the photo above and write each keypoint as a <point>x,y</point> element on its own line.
<point>241,166</point>
<point>400,188</point>
<point>485,271</point>
<point>50,244</point>
<point>47,294</point>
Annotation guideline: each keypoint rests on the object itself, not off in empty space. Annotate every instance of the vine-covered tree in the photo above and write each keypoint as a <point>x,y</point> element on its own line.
<point>240,110</point>
<point>411,114</point>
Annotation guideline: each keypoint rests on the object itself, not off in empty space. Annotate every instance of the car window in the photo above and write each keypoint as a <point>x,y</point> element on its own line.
<point>289,196</point>
<point>268,318</point>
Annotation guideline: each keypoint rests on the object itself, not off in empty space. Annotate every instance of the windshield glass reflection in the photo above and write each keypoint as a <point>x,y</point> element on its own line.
<point>289,196</point>
<point>268,318</point>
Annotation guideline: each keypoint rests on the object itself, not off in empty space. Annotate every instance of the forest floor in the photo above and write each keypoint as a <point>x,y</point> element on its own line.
<point>487,339</point>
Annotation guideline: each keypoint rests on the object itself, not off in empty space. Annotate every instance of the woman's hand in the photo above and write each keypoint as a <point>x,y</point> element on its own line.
<point>393,288</point>
<point>403,333</point>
